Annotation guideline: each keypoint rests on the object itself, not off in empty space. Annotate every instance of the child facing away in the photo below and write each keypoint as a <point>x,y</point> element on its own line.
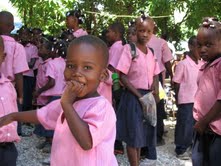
<point>84,122</point>
<point>207,104</point>
<point>185,83</point>
<point>139,76</point>
<point>8,104</point>
<point>73,19</point>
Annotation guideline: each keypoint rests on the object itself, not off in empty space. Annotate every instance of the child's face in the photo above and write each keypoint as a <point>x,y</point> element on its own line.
<point>208,45</point>
<point>42,50</point>
<point>85,65</point>
<point>70,22</point>
<point>111,35</point>
<point>144,31</point>
<point>193,49</point>
<point>131,35</point>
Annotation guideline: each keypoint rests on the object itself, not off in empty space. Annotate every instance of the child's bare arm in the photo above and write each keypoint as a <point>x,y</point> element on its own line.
<point>129,86</point>
<point>27,117</point>
<point>79,128</point>
<point>214,113</point>
<point>19,86</point>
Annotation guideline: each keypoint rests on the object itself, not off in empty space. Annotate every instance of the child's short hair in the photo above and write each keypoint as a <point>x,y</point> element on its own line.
<point>95,42</point>
<point>7,18</point>
<point>192,40</point>
<point>76,13</point>
<point>211,23</point>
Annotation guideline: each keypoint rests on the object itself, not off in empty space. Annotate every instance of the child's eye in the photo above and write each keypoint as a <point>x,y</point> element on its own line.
<point>87,67</point>
<point>208,45</point>
<point>70,66</point>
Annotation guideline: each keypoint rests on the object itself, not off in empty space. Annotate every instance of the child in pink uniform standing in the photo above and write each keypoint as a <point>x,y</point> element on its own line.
<point>139,76</point>
<point>185,83</point>
<point>207,105</point>
<point>28,76</point>
<point>8,104</point>
<point>73,19</point>
<point>84,122</point>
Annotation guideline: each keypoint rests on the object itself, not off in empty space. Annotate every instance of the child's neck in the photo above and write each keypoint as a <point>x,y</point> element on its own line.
<point>142,47</point>
<point>193,57</point>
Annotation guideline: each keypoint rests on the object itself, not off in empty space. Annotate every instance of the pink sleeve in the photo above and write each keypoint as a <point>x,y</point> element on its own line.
<point>166,53</point>
<point>34,52</point>
<point>179,73</point>
<point>50,71</point>
<point>125,60</point>
<point>20,63</point>
<point>96,119</point>
<point>219,79</point>
<point>49,114</point>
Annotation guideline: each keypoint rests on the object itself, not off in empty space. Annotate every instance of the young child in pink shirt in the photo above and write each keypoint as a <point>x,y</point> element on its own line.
<point>8,104</point>
<point>73,19</point>
<point>207,105</point>
<point>139,76</point>
<point>28,76</point>
<point>84,121</point>
<point>185,83</point>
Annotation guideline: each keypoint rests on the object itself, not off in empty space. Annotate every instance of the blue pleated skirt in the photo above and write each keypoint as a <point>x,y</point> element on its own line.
<point>131,127</point>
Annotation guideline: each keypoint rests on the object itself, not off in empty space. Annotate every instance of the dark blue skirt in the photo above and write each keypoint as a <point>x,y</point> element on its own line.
<point>131,127</point>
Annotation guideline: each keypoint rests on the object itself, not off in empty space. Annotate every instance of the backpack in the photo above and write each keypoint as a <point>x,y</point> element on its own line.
<point>134,52</point>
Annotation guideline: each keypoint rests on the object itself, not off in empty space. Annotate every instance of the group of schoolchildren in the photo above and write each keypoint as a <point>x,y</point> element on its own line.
<point>69,80</point>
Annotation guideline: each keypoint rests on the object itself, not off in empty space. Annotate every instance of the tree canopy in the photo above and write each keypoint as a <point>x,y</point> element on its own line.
<point>50,14</point>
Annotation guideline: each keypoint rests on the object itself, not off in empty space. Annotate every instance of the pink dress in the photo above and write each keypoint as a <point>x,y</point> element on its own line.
<point>208,92</point>
<point>161,51</point>
<point>141,70</point>
<point>15,61</point>
<point>80,32</point>
<point>55,69</point>
<point>98,113</point>
<point>186,75</point>
<point>8,104</point>
<point>115,53</point>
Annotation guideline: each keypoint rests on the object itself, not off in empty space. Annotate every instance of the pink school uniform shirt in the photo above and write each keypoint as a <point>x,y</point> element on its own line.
<point>41,80</point>
<point>31,53</point>
<point>15,61</point>
<point>161,51</point>
<point>55,69</point>
<point>98,113</point>
<point>105,88</point>
<point>208,92</point>
<point>186,75</point>
<point>80,32</point>
<point>8,104</point>
<point>141,70</point>
<point>115,53</point>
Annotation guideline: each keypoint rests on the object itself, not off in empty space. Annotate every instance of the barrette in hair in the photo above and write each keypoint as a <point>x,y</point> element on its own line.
<point>68,13</point>
<point>208,25</point>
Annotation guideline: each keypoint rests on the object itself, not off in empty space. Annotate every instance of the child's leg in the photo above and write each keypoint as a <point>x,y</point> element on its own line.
<point>184,128</point>
<point>133,156</point>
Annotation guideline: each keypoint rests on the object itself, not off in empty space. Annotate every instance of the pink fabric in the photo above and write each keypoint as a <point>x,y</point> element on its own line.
<point>8,104</point>
<point>98,113</point>
<point>161,51</point>
<point>208,92</point>
<point>105,88</point>
<point>41,80</point>
<point>115,53</point>
<point>141,70</point>
<point>15,61</point>
<point>80,32</point>
<point>31,53</point>
<point>55,70</point>
<point>186,75</point>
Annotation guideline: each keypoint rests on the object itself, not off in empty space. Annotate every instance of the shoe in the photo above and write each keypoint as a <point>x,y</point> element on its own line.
<point>42,145</point>
<point>46,161</point>
<point>148,162</point>
<point>47,148</point>
<point>183,156</point>
<point>161,142</point>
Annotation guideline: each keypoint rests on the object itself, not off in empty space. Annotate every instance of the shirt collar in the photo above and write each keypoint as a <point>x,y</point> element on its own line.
<point>9,38</point>
<point>211,64</point>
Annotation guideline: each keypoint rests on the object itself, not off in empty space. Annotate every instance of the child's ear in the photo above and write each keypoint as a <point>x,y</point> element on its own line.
<point>104,75</point>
